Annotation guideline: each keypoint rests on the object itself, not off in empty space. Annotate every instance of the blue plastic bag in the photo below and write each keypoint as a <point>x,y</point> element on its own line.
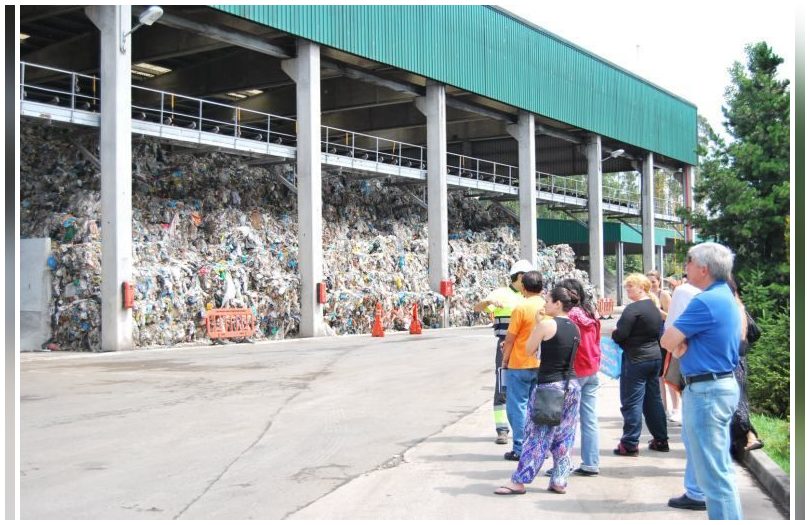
<point>611,358</point>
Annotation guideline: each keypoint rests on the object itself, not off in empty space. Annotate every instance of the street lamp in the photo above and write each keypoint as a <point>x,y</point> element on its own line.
<point>147,18</point>
<point>615,153</point>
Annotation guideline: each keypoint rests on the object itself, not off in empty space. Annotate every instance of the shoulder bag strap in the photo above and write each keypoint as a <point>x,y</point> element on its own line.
<point>571,361</point>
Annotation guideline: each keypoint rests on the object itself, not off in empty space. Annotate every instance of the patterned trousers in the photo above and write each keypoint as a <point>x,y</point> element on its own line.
<point>540,440</point>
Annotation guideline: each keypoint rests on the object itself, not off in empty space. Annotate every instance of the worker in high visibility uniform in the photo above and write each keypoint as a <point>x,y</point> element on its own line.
<point>500,303</point>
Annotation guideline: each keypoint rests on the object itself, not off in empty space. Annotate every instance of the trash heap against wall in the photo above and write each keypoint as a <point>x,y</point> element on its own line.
<point>210,230</point>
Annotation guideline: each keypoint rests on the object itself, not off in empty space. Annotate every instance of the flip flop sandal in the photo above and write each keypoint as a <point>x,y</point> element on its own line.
<point>506,491</point>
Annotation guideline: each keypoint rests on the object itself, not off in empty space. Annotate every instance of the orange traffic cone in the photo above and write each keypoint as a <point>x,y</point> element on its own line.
<point>377,328</point>
<point>416,325</point>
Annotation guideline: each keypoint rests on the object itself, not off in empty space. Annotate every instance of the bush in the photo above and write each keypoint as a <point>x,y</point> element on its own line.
<point>769,367</point>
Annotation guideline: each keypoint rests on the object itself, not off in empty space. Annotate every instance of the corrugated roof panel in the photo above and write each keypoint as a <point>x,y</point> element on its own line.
<point>485,51</point>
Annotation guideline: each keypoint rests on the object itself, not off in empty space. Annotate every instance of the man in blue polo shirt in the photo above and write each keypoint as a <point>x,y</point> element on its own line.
<point>706,338</point>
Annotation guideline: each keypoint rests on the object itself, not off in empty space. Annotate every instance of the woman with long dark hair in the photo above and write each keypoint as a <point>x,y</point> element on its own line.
<point>556,339</point>
<point>586,365</point>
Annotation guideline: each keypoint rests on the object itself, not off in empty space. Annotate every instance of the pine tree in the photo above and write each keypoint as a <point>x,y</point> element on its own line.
<point>745,184</point>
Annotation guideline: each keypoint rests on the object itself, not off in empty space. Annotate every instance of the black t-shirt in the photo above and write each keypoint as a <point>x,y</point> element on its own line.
<point>638,330</point>
<point>555,354</point>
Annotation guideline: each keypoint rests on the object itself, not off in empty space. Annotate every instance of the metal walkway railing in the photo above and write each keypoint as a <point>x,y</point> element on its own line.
<point>74,98</point>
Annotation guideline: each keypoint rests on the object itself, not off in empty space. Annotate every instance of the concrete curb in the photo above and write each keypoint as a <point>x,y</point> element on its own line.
<point>771,476</point>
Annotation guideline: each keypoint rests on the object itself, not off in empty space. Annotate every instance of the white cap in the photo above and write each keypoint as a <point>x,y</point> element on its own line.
<point>522,266</point>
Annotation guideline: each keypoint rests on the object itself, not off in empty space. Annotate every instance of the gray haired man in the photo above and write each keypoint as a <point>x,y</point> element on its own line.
<point>706,338</point>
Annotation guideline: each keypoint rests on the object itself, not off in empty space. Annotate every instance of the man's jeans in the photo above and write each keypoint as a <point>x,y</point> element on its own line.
<point>707,410</point>
<point>589,423</point>
<point>499,398</point>
<point>519,385</point>
<point>641,394</point>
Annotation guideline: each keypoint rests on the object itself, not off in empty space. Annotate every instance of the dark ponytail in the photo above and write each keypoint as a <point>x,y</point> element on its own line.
<point>583,300</point>
<point>563,295</point>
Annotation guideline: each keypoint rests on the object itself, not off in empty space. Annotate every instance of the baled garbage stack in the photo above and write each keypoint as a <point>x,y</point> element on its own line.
<point>211,231</point>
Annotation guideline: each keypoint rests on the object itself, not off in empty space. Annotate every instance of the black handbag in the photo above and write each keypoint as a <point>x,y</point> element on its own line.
<point>548,403</point>
<point>754,332</point>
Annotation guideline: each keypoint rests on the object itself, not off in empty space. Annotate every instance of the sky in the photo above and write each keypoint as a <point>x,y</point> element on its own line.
<point>685,47</point>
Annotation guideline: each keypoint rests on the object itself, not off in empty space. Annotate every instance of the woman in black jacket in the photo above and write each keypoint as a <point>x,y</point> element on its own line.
<point>637,332</point>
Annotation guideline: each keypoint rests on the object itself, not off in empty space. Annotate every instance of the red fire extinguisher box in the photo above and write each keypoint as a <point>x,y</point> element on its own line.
<point>128,293</point>
<point>446,288</point>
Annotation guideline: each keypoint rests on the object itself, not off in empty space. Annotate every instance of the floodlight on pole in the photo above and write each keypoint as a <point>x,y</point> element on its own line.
<point>146,18</point>
<point>615,153</point>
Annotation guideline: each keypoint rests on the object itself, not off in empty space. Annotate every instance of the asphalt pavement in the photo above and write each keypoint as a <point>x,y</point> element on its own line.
<point>329,428</point>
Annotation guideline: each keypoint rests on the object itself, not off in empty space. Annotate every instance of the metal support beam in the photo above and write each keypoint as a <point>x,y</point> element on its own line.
<point>116,175</point>
<point>433,106</point>
<point>544,130</point>
<point>229,35</point>
<point>472,108</point>
<point>306,71</point>
<point>647,214</point>
<point>527,169</point>
<point>596,246</point>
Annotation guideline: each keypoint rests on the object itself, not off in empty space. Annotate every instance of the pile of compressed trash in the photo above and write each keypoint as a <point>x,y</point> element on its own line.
<point>211,230</point>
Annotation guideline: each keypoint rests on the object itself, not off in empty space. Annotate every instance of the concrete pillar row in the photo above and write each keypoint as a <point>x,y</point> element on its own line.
<point>116,173</point>
<point>305,70</point>
<point>596,246</point>
<point>523,132</point>
<point>647,215</point>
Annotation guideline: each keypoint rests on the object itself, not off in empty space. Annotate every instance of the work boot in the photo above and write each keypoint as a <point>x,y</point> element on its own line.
<point>685,502</point>
<point>503,437</point>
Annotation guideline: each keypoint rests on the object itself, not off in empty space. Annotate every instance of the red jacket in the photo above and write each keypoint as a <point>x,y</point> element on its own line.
<point>589,353</point>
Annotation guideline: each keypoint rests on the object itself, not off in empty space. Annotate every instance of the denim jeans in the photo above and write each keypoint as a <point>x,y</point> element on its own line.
<point>499,398</point>
<point>690,482</point>
<point>519,385</point>
<point>589,423</point>
<point>707,410</point>
<point>641,394</point>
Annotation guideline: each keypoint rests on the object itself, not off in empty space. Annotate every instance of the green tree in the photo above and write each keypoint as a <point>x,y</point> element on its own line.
<point>745,185</point>
<point>744,190</point>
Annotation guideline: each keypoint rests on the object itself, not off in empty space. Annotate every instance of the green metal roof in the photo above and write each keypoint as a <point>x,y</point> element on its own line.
<point>489,52</point>
<point>559,231</point>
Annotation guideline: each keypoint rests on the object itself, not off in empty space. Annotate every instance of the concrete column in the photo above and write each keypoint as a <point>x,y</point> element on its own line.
<point>527,168</point>
<point>619,273</point>
<point>647,215</point>
<point>305,69</point>
<point>116,173</point>
<point>596,247</point>
<point>688,197</point>
<point>433,107</point>
<point>660,262</point>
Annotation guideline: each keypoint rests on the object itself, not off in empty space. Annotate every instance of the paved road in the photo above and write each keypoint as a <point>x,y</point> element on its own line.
<point>350,427</point>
